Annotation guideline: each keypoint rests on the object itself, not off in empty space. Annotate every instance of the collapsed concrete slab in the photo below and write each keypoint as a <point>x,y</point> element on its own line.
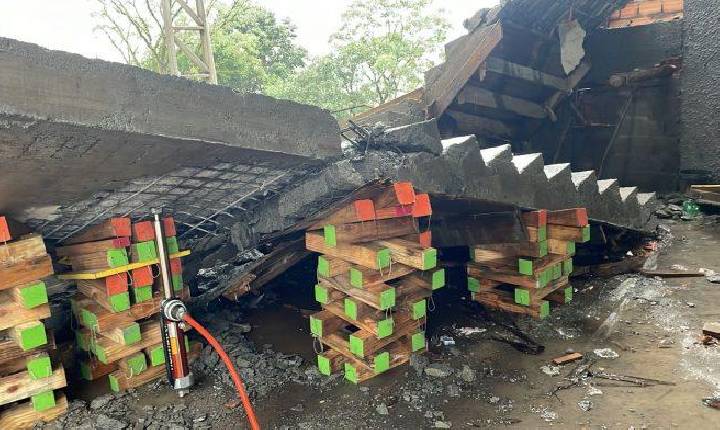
<point>70,126</point>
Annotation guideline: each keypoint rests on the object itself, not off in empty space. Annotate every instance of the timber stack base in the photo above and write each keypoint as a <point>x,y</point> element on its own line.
<point>529,277</point>
<point>30,373</point>
<point>376,273</point>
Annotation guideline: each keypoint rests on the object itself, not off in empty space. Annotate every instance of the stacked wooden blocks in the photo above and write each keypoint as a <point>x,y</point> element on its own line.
<point>525,277</point>
<point>375,276</point>
<point>115,268</point>
<point>28,378</point>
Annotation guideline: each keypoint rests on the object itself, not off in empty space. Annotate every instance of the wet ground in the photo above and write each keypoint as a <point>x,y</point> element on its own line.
<point>652,325</point>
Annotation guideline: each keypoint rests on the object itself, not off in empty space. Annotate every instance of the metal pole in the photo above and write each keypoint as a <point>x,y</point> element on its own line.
<point>169,33</point>
<point>208,56</point>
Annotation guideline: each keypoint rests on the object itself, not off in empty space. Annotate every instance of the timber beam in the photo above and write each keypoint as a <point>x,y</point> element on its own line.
<point>482,97</point>
<point>519,71</point>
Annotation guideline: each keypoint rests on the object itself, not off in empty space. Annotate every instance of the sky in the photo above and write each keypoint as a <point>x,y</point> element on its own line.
<point>68,25</point>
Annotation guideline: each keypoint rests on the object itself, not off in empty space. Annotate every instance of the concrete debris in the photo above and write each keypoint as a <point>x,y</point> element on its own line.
<point>447,340</point>
<point>442,425</point>
<point>548,415</point>
<point>469,331</point>
<point>382,409</point>
<point>585,405</point>
<point>422,136</point>
<point>572,37</point>
<point>467,374</point>
<point>606,353</point>
<point>438,370</point>
<point>551,370</point>
<point>592,391</point>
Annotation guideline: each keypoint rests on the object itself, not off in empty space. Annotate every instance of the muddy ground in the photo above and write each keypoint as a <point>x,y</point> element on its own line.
<point>652,325</point>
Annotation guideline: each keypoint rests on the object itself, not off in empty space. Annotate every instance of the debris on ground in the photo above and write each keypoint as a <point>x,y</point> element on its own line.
<point>712,402</point>
<point>606,353</point>
<point>567,358</point>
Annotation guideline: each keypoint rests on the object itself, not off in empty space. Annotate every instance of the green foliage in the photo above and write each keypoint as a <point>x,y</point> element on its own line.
<point>380,52</point>
<point>251,47</point>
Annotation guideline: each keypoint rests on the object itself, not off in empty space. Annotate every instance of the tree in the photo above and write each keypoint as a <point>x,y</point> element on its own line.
<point>380,52</point>
<point>251,47</point>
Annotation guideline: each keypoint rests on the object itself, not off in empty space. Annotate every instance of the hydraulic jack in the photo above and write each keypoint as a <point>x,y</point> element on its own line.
<point>174,316</point>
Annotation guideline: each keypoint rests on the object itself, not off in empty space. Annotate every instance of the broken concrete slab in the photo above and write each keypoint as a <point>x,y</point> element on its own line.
<point>422,136</point>
<point>70,127</point>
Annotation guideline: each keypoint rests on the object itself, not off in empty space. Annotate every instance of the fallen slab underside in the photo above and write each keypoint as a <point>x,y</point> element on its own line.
<point>71,127</point>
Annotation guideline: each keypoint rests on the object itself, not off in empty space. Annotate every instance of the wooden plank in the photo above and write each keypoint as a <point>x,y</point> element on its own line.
<point>504,275</point>
<point>379,296</point>
<point>108,229</point>
<point>110,286</point>
<point>519,71</point>
<point>399,353</point>
<point>410,254</point>
<point>325,322</point>
<point>502,301</point>
<point>477,96</point>
<point>10,351</point>
<point>108,351</point>
<point>102,260</point>
<point>367,318</point>
<point>561,247</point>
<point>25,272</point>
<point>5,235</point>
<point>29,335</point>
<point>363,344</point>
<point>536,295</point>
<point>495,251</point>
<point>92,370</point>
<point>362,277</point>
<point>369,255</point>
<point>576,217</point>
<point>567,358</point>
<point>29,247</point>
<point>711,329</point>
<point>91,315</point>
<point>23,416</point>
<point>572,234</point>
<point>480,44</point>
<point>120,381</point>
<point>143,231</point>
<point>330,267</point>
<point>110,272</point>
<point>535,218</point>
<point>13,313</point>
<point>115,303</point>
<point>21,386</point>
<point>382,201</point>
<point>92,247</point>
<point>330,362</point>
<point>368,231</point>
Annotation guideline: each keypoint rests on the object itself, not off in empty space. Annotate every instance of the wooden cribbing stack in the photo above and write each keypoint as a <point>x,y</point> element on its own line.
<point>525,277</point>
<point>117,304</point>
<point>30,374</point>
<point>376,273</point>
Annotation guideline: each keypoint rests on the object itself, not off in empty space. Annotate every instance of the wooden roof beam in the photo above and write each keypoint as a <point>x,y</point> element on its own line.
<point>481,97</point>
<point>519,71</point>
<point>473,124</point>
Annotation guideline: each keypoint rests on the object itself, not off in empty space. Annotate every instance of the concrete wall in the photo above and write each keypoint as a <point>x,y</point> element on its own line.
<point>700,144</point>
<point>40,84</point>
<point>645,152</point>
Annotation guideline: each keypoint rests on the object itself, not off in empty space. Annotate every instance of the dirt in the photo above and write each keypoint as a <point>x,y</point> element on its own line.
<point>656,327</point>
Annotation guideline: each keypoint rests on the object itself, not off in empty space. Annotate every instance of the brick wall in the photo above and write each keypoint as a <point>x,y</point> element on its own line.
<point>644,12</point>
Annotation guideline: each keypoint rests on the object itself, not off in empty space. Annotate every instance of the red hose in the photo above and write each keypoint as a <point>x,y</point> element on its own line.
<point>233,373</point>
